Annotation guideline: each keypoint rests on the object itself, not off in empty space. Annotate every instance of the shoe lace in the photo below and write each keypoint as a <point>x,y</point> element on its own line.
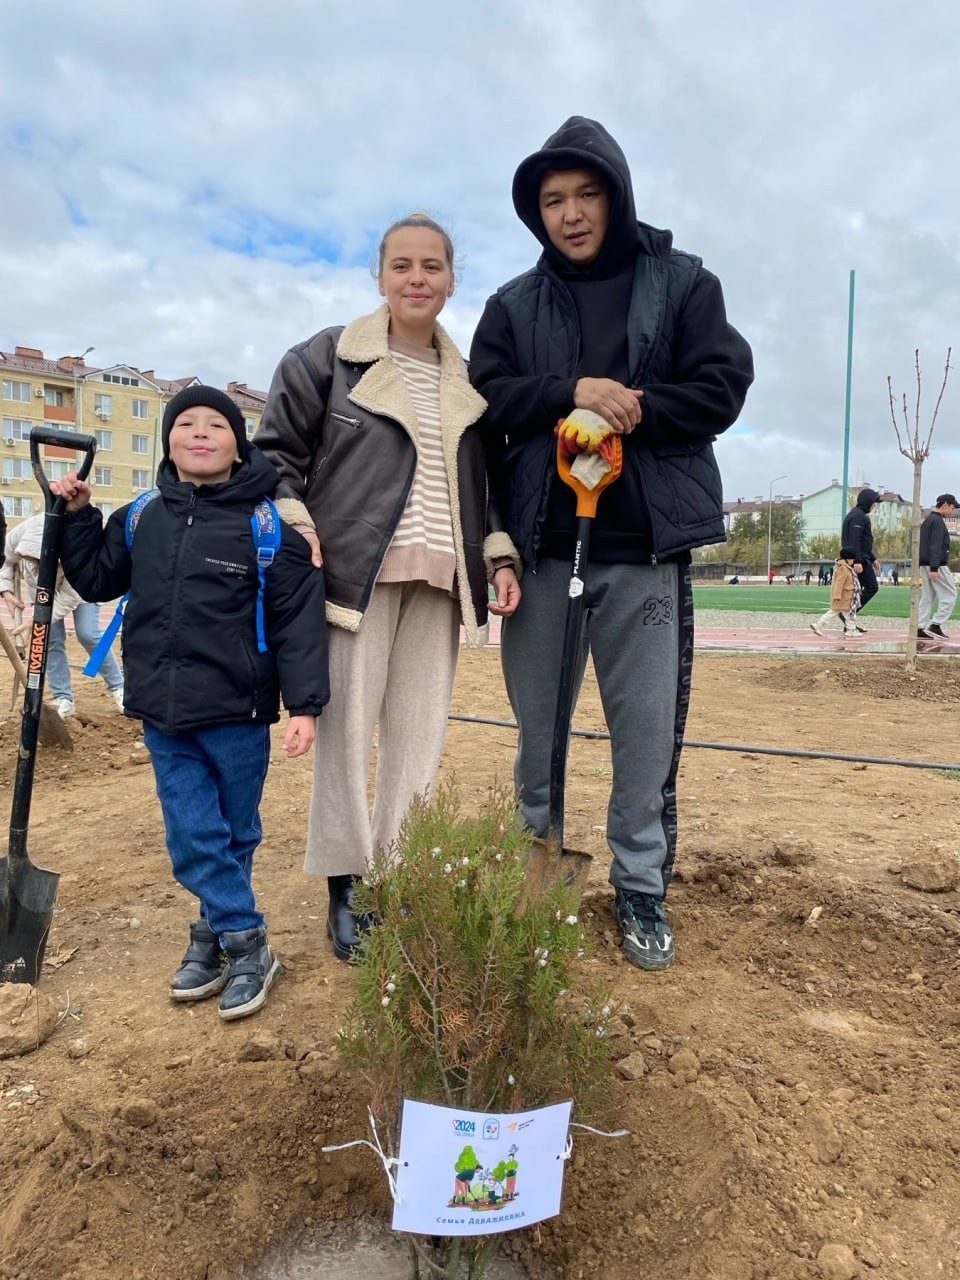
<point>647,911</point>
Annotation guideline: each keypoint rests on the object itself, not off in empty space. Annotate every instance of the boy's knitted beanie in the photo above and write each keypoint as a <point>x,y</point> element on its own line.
<point>213,398</point>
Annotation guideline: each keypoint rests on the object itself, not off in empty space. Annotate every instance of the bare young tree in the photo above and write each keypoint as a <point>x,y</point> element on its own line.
<point>915,447</point>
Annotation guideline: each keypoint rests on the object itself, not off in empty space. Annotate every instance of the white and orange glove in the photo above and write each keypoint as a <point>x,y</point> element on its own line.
<point>584,431</point>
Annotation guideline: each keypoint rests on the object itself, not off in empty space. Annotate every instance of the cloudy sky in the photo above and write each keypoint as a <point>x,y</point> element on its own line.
<point>194,185</point>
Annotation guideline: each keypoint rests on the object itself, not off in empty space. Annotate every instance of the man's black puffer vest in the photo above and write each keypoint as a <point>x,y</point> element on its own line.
<point>680,483</point>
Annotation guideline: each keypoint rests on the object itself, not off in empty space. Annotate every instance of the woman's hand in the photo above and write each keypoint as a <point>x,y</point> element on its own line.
<point>508,592</point>
<point>76,492</point>
<point>300,734</point>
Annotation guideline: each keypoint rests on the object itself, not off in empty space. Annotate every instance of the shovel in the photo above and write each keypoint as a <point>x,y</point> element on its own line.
<point>27,892</point>
<point>548,862</point>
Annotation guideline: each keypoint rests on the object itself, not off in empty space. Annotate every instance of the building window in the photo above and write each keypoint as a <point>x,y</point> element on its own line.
<point>53,395</point>
<point>102,475</point>
<point>139,444</point>
<point>251,426</point>
<point>104,439</point>
<point>122,379</point>
<point>16,429</point>
<point>139,408</point>
<point>18,506</point>
<point>102,405</point>
<point>13,390</point>
<point>16,469</point>
<point>56,470</point>
<point>106,509</point>
<point>139,478</point>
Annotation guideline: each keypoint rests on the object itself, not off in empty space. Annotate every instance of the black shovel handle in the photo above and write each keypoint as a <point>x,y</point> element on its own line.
<point>39,642</point>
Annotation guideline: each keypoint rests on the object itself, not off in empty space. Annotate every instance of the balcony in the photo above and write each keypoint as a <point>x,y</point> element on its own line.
<point>59,413</point>
<point>55,415</point>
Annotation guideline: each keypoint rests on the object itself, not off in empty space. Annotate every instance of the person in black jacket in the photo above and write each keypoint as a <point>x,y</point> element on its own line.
<point>936,580</point>
<point>857,532</point>
<point>614,320</point>
<point>205,684</point>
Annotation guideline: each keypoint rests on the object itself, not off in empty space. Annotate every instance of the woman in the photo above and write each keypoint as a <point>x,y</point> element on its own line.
<point>373,428</point>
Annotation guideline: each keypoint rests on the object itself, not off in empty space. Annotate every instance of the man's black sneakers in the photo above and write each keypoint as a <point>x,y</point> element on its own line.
<point>935,629</point>
<point>923,633</point>
<point>647,936</point>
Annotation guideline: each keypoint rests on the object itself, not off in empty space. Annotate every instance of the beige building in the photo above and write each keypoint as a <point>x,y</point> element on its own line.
<point>122,407</point>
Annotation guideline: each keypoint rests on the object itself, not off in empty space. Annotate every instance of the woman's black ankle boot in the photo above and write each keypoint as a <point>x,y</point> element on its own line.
<point>346,929</point>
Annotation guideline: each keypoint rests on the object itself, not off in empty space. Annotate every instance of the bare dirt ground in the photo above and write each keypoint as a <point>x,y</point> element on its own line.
<point>816,1101</point>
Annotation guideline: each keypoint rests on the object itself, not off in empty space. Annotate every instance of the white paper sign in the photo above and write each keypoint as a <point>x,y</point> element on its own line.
<point>463,1173</point>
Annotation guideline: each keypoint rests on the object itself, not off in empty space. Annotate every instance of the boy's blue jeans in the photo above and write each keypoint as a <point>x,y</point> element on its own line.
<point>210,783</point>
<point>86,623</point>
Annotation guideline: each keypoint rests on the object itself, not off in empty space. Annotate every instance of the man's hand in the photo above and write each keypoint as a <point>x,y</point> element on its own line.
<point>616,404</point>
<point>76,492</point>
<point>857,567</point>
<point>508,592</point>
<point>299,736</point>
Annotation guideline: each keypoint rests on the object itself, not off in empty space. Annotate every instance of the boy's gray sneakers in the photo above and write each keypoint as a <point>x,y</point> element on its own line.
<point>252,970</point>
<point>203,969</point>
<point>647,936</point>
<point>814,627</point>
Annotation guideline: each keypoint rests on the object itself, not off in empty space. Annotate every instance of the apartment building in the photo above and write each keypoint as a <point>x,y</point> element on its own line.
<point>121,406</point>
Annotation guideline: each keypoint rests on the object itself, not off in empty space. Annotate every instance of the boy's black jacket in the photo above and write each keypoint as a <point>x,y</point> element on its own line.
<point>189,636</point>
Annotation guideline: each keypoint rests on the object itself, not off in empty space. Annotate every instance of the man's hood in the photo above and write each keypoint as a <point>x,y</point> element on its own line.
<point>580,143</point>
<point>866,498</point>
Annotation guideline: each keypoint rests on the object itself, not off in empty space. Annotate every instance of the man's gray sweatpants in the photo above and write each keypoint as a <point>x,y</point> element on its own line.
<point>638,626</point>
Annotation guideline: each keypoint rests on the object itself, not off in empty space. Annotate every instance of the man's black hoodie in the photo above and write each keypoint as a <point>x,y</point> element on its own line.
<point>700,396</point>
<point>856,532</point>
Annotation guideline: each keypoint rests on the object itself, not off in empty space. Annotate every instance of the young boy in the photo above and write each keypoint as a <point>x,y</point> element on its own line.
<point>844,596</point>
<point>196,676</point>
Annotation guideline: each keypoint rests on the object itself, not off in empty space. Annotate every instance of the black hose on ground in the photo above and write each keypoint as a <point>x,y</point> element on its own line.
<point>744,750</point>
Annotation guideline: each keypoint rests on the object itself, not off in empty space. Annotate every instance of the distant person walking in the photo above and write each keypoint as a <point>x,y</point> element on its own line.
<point>857,533</point>
<point>937,586</point>
<point>844,597</point>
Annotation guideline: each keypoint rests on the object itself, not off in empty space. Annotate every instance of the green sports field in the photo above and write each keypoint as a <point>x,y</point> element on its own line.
<point>889,602</point>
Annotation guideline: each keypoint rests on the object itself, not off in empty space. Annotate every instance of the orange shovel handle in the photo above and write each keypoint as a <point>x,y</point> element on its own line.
<point>587,498</point>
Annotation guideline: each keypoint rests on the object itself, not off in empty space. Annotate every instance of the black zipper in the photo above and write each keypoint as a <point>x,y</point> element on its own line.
<point>175,600</point>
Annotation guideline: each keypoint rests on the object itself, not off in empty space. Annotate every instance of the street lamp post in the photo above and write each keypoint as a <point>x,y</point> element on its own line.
<point>770,522</point>
<point>77,398</point>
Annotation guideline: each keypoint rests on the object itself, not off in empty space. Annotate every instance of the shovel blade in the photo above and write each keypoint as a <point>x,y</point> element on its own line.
<point>26,911</point>
<point>548,864</point>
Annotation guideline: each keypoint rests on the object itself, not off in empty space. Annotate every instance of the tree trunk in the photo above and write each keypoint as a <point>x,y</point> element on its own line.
<point>914,620</point>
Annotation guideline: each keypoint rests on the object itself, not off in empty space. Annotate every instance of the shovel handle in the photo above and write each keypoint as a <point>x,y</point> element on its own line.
<point>60,440</point>
<point>587,498</point>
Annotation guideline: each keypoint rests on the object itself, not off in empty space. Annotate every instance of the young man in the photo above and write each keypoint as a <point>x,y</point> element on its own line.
<point>857,532</point>
<point>936,580</point>
<point>614,320</point>
<point>209,647</point>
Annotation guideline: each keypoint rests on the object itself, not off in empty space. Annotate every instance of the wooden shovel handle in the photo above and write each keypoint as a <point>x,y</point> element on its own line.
<point>6,640</point>
<point>587,498</point>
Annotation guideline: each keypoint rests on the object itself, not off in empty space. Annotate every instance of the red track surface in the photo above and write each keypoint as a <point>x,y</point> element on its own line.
<point>800,639</point>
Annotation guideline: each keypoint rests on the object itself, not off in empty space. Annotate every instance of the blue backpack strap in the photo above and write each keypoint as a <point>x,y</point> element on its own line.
<point>265,523</point>
<point>134,512</point>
